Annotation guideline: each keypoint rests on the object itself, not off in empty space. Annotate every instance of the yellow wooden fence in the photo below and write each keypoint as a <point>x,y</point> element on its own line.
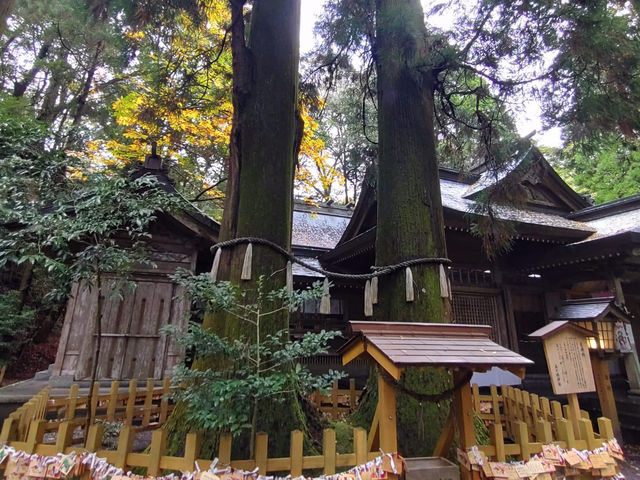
<point>142,408</point>
<point>531,421</point>
<point>339,401</point>
<point>156,460</point>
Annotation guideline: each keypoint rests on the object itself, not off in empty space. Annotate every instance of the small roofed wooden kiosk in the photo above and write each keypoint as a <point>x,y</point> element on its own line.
<point>394,346</point>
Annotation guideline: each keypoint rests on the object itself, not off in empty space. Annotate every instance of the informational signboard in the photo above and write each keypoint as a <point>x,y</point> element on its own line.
<point>567,353</point>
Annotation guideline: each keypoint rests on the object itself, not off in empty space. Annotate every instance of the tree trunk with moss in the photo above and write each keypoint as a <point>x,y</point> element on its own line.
<point>6,7</point>
<point>259,200</point>
<point>410,221</point>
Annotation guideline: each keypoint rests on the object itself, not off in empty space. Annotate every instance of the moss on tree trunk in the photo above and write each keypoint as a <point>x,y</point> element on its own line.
<point>260,197</point>
<point>410,221</point>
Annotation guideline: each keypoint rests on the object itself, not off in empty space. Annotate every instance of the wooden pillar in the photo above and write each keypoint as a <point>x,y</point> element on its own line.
<point>387,416</point>
<point>574,413</point>
<point>605,392</point>
<point>463,414</point>
<point>631,363</point>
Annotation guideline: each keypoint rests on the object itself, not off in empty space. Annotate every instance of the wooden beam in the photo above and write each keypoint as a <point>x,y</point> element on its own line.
<point>353,352</point>
<point>605,392</point>
<point>373,438</point>
<point>384,362</point>
<point>573,408</point>
<point>446,437</point>
<point>387,418</point>
<point>631,362</point>
<point>463,411</point>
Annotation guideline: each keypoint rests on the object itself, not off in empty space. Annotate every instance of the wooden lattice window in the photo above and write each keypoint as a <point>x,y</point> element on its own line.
<point>477,309</point>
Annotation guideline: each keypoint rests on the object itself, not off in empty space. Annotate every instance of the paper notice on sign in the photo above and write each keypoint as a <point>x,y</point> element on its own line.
<point>569,363</point>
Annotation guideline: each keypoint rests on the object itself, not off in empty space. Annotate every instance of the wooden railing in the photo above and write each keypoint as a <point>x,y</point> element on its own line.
<point>156,460</point>
<point>531,421</point>
<point>139,408</point>
<point>339,402</point>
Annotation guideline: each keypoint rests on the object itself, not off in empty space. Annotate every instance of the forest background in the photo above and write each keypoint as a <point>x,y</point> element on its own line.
<point>101,81</point>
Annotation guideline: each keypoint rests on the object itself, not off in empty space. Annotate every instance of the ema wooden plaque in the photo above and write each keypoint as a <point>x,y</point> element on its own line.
<point>567,353</point>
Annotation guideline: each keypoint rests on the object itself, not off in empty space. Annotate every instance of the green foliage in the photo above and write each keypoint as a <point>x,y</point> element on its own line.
<point>16,323</point>
<point>252,369</point>
<point>65,215</point>
<point>606,169</point>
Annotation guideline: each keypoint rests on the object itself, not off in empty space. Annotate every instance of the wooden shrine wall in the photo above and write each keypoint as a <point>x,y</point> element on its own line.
<point>481,307</point>
<point>132,346</point>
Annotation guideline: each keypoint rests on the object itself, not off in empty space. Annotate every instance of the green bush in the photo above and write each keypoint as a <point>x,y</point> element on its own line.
<point>15,326</point>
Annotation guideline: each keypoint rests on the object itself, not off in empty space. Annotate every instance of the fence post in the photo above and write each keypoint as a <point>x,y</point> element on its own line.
<point>535,407</point>
<point>156,450</point>
<point>94,400</point>
<point>522,437</point>
<point>360,445</point>
<point>352,394</point>
<point>148,403</point>
<point>586,433</point>
<point>65,436</point>
<point>334,400</point>
<point>519,405</point>
<point>131,403</point>
<point>111,405</point>
<point>164,401</point>
<point>94,437</point>
<point>543,431</point>
<point>224,449</point>
<point>506,408</point>
<point>36,433</point>
<point>565,432</point>
<point>192,450</point>
<point>605,428</point>
<point>296,453</point>
<point>9,430</point>
<point>546,408</point>
<point>125,442</point>
<point>72,402</point>
<point>475,394</point>
<point>529,419</point>
<point>556,410</point>
<point>497,439</point>
<point>262,440</point>
<point>495,404</point>
<point>329,451</point>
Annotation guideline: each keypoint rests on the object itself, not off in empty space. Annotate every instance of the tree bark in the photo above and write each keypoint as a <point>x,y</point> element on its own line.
<point>20,87</point>
<point>6,7</point>
<point>263,149</point>
<point>410,220</point>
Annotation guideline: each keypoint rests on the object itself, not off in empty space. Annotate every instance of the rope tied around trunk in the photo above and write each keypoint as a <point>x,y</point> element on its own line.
<point>377,271</point>
<point>426,397</point>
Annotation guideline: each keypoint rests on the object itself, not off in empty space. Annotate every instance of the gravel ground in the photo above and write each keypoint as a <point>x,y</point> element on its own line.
<point>631,468</point>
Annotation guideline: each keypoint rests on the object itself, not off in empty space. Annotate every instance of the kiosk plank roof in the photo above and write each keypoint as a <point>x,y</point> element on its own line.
<point>436,344</point>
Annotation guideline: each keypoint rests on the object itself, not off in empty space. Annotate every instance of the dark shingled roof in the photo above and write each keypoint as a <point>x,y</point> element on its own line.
<point>318,227</point>
<point>587,309</point>
<point>437,344</point>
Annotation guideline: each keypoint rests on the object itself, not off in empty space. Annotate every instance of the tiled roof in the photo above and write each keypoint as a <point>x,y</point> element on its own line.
<point>453,197</point>
<point>317,229</point>
<point>300,271</point>
<point>615,224</point>
<point>583,309</point>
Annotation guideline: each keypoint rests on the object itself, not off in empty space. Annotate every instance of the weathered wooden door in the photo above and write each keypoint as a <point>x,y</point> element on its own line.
<point>133,345</point>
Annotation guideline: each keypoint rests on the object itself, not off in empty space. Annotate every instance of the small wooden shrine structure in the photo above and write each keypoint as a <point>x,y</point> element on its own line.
<point>394,346</point>
<point>133,345</point>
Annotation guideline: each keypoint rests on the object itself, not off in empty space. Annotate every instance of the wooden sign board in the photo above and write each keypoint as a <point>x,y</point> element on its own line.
<point>567,353</point>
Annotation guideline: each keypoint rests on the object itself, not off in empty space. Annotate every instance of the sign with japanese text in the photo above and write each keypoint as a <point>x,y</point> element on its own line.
<point>567,353</point>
